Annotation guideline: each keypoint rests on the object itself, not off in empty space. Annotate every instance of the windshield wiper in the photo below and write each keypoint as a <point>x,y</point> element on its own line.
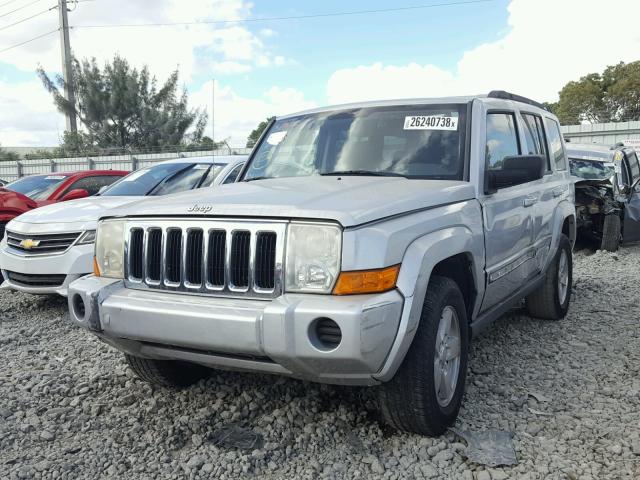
<point>369,173</point>
<point>256,178</point>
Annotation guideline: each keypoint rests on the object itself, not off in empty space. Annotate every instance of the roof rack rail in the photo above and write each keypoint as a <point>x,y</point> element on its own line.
<point>516,98</point>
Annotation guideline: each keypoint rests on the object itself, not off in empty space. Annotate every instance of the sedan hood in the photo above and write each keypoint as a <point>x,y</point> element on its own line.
<point>350,200</point>
<point>10,200</point>
<point>75,211</point>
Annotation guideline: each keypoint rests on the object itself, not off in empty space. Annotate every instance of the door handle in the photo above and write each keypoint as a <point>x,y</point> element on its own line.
<point>530,201</point>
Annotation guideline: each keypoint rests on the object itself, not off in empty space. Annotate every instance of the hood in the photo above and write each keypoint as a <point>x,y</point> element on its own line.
<point>350,200</point>
<point>10,200</point>
<point>75,211</point>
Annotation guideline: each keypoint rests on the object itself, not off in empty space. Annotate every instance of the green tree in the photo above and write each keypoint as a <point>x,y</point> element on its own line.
<point>254,136</point>
<point>8,155</point>
<point>121,106</point>
<point>610,96</point>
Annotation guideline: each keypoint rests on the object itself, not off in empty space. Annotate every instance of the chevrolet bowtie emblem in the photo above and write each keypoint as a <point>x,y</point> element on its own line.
<point>28,244</point>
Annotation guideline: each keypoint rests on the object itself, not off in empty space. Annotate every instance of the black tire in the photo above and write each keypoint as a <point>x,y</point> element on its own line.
<point>545,302</point>
<point>611,230</point>
<point>166,373</point>
<point>409,401</point>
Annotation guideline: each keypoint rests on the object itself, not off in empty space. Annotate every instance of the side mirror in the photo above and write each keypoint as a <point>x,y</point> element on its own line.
<point>75,194</point>
<point>515,170</point>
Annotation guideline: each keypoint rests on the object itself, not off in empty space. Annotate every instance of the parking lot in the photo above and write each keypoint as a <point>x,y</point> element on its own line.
<point>71,409</point>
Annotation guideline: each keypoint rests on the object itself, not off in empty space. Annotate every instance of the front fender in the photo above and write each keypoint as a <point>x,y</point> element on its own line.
<point>417,266</point>
<point>564,210</point>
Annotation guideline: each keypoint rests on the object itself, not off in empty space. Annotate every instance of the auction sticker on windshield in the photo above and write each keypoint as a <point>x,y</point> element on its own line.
<point>55,177</point>
<point>431,122</point>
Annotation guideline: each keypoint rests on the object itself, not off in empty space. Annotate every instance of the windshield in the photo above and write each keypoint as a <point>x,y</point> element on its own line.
<point>37,187</point>
<point>591,170</point>
<point>158,180</point>
<point>425,141</point>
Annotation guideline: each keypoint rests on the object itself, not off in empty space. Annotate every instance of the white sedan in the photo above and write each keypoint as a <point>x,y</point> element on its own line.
<point>46,249</point>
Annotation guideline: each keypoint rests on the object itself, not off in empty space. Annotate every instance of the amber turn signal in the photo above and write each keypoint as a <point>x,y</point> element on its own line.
<point>367,281</point>
<point>96,268</point>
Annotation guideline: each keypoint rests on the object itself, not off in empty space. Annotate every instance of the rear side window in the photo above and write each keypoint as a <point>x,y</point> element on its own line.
<point>556,148</point>
<point>93,184</point>
<point>635,168</point>
<point>534,135</point>
<point>502,139</point>
<point>231,178</point>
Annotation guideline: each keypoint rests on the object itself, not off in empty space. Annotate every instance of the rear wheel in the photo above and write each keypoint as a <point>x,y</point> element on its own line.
<point>166,373</point>
<point>425,394</point>
<point>611,233</point>
<point>551,300</point>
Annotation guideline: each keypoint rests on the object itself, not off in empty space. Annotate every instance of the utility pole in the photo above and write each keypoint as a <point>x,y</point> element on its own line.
<point>67,74</point>
<point>213,115</point>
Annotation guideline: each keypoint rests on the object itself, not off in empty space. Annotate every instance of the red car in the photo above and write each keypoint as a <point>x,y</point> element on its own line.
<point>36,191</point>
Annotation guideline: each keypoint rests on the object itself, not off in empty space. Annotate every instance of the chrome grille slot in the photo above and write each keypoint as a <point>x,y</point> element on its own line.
<point>265,260</point>
<point>233,258</point>
<point>216,258</point>
<point>194,255</point>
<point>173,256</point>
<point>136,257</point>
<point>40,244</point>
<point>154,255</point>
<point>240,249</point>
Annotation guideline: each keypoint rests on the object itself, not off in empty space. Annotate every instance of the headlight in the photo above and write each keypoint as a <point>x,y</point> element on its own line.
<point>87,238</point>
<point>110,248</point>
<point>313,257</point>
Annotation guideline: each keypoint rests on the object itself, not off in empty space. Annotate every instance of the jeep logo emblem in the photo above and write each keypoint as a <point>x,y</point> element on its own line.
<point>200,209</point>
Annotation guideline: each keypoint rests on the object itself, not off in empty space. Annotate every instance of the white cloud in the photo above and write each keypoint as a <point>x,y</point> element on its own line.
<point>548,43</point>
<point>194,48</point>
<point>236,116</point>
<point>28,117</point>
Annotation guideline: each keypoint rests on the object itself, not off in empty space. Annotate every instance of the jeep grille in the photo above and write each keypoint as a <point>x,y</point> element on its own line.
<point>206,257</point>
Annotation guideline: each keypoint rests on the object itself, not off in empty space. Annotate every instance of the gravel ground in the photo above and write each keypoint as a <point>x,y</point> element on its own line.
<point>69,408</point>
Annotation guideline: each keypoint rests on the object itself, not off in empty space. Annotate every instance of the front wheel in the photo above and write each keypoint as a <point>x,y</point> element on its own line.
<point>166,373</point>
<point>551,300</point>
<point>611,232</point>
<point>425,394</point>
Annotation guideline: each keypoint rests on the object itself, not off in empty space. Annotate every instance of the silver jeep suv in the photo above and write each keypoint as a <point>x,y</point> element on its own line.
<point>363,245</point>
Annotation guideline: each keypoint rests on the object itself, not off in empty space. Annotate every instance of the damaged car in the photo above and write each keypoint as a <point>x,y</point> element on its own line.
<point>607,189</point>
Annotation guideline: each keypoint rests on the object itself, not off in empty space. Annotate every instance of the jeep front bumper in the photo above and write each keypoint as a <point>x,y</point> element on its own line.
<point>276,336</point>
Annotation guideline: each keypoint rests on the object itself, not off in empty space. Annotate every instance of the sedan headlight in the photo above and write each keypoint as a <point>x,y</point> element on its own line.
<point>87,238</point>
<point>313,257</point>
<point>110,248</point>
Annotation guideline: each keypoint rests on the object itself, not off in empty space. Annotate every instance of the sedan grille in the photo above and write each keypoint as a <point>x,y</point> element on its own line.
<point>216,258</point>
<point>44,244</point>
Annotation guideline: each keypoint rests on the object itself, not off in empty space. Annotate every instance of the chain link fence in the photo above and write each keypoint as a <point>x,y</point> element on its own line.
<point>13,169</point>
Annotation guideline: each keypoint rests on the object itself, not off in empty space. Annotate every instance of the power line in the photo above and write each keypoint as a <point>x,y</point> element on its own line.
<point>25,19</point>
<point>19,8</point>
<point>28,41</point>
<point>296,17</point>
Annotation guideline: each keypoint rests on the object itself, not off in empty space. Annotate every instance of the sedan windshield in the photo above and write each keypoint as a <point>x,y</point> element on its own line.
<point>425,141</point>
<point>591,170</point>
<point>37,187</point>
<point>159,180</point>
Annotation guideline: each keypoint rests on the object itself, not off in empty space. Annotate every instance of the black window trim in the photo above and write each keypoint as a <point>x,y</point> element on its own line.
<point>515,123</point>
<point>549,169</point>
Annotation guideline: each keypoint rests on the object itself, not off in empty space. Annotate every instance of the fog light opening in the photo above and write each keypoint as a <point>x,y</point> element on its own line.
<point>325,334</point>
<point>78,307</point>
